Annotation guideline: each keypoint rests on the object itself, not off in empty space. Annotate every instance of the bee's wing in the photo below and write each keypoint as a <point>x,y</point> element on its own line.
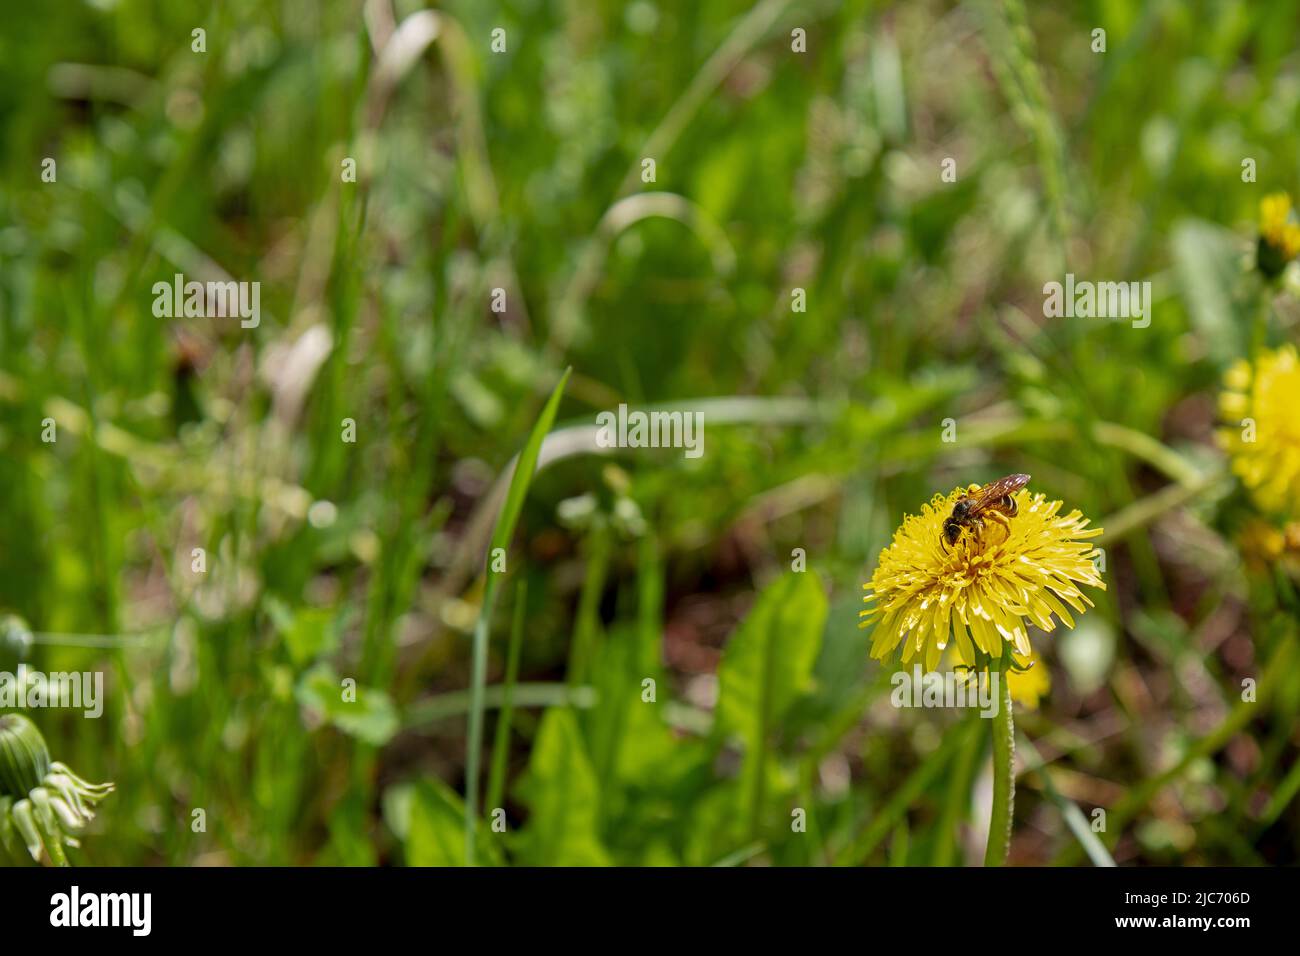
<point>993,492</point>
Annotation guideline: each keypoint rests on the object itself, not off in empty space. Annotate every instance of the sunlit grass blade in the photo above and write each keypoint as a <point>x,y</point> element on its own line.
<point>522,477</point>
<point>956,804</point>
<point>421,715</point>
<point>500,745</point>
<point>883,823</point>
<point>1070,812</point>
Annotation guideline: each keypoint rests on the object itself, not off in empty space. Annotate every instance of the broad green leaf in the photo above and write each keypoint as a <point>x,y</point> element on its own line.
<point>436,837</point>
<point>1206,263</point>
<point>309,633</point>
<point>371,717</point>
<point>710,825</point>
<point>428,817</point>
<point>768,662</point>
<point>766,667</point>
<point>630,744</point>
<point>349,838</point>
<point>561,790</point>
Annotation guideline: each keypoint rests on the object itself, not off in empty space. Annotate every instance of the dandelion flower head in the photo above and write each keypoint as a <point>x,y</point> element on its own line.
<point>1262,437</point>
<point>984,591</point>
<point>1279,235</point>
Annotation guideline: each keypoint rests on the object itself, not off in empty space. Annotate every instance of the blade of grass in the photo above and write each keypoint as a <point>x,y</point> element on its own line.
<point>899,845</point>
<point>586,625</point>
<point>1154,506</point>
<point>743,855</point>
<point>1144,792</point>
<point>522,477</point>
<point>457,703</point>
<point>573,439</point>
<point>1070,812</point>
<point>883,823</point>
<point>497,775</point>
<point>1282,797</point>
<point>957,803</point>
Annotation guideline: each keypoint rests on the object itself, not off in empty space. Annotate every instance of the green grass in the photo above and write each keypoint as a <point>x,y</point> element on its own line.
<point>521,171</point>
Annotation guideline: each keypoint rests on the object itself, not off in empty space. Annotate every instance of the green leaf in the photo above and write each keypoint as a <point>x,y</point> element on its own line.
<point>1206,263</point>
<point>766,667</point>
<point>309,633</point>
<point>428,817</point>
<point>524,469</point>
<point>561,790</point>
<point>371,717</point>
<point>768,662</point>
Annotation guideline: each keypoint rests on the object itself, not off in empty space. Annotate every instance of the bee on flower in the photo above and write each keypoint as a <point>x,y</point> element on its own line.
<point>974,569</point>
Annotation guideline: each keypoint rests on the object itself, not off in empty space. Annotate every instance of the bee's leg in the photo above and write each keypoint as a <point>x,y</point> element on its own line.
<point>998,518</point>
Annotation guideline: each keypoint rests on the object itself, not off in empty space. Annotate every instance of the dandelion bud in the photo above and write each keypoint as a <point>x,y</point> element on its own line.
<point>24,757</point>
<point>15,638</point>
<point>1279,235</point>
<point>40,801</point>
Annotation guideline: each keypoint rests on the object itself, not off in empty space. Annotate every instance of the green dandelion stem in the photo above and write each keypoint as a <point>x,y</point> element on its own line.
<point>1004,777</point>
<point>1259,326</point>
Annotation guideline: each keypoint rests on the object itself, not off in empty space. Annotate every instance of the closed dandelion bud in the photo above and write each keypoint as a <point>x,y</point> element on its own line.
<point>1279,235</point>
<point>15,639</point>
<point>41,801</point>
<point>24,757</point>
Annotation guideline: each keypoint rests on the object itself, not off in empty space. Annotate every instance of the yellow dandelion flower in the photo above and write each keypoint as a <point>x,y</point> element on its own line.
<point>1265,546</point>
<point>982,590</point>
<point>1030,680</point>
<point>1262,436</point>
<point>1261,543</point>
<point>1279,235</point>
<point>1274,209</point>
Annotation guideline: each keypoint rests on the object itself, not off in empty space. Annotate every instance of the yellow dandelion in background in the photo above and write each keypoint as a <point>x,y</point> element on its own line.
<point>1264,545</point>
<point>1029,681</point>
<point>1262,436</point>
<point>1279,235</point>
<point>983,590</point>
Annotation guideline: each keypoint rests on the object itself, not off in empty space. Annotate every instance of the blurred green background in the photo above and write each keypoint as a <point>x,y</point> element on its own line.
<point>770,738</point>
